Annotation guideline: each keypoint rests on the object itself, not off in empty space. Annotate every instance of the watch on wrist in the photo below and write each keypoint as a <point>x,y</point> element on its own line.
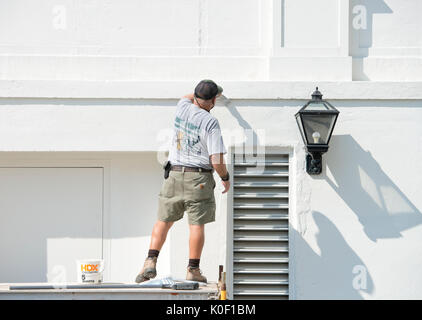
<point>227,177</point>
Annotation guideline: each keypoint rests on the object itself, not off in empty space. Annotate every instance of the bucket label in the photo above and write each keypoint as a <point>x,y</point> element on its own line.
<point>89,267</point>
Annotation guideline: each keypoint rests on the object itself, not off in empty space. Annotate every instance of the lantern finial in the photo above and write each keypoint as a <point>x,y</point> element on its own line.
<point>317,95</point>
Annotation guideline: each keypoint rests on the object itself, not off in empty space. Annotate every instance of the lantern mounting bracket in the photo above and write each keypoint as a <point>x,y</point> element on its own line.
<point>314,163</point>
<point>314,158</point>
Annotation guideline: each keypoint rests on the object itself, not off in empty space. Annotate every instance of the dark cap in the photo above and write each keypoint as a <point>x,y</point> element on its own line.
<point>207,89</point>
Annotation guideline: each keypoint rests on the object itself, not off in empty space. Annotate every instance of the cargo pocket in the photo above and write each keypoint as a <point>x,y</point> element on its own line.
<point>203,187</point>
<point>167,189</point>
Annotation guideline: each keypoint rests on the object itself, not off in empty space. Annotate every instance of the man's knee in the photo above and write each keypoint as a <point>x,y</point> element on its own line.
<point>197,228</point>
<point>163,225</point>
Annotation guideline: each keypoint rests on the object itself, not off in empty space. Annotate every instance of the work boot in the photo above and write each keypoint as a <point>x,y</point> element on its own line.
<point>148,271</point>
<point>195,274</point>
<point>140,278</point>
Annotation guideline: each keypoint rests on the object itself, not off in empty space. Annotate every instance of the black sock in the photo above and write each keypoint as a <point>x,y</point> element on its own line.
<point>194,263</point>
<point>153,253</point>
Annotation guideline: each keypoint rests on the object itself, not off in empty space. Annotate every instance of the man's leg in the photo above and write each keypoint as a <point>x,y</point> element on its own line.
<point>159,234</point>
<point>196,240</point>
<point>196,243</point>
<point>200,208</point>
<point>158,237</point>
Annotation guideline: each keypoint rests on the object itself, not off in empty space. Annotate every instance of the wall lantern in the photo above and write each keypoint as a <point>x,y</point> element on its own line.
<point>316,121</point>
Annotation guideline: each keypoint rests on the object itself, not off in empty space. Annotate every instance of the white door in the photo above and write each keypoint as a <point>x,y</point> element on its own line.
<point>49,217</point>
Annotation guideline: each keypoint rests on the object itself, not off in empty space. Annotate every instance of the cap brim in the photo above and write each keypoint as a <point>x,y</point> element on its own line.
<point>220,90</point>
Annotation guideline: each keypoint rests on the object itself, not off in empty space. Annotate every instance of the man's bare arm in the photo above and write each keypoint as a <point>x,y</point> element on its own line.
<point>217,161</point>
<point>189,96</point>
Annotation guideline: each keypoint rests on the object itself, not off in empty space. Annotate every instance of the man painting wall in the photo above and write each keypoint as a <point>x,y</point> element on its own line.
<point>197,150</point>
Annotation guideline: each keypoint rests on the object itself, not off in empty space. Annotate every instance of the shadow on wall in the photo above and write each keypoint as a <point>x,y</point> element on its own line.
<point>381,207</point>
<point>332,273</point>
<point>372,7</point>
<point>364,37</point>
<point>251,138</point>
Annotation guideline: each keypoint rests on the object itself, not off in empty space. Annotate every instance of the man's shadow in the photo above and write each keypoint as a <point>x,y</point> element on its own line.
<point>381,207</point>
<point>250,136</point>
<point>336,272</point>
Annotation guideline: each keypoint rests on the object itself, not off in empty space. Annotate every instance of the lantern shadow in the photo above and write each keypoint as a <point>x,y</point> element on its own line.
<point>381,207</point>
<point>336,272</point>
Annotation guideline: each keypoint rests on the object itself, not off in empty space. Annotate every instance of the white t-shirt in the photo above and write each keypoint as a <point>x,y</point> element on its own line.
<point>197,136</point>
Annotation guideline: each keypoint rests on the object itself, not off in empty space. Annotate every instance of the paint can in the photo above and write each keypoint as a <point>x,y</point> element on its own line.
<point>90,270</point>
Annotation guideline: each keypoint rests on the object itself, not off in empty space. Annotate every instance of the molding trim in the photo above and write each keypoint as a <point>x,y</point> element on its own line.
<point>299,90</point>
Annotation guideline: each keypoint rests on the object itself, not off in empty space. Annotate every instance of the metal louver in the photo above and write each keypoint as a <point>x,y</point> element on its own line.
<point>260,227</point>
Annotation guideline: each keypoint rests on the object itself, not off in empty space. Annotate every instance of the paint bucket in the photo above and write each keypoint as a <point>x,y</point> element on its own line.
<point>90,270</point>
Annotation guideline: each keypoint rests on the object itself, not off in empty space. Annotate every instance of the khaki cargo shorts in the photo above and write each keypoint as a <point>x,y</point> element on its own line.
<point>192,192</point>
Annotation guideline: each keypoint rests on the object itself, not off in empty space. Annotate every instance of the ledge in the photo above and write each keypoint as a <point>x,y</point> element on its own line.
<point>342,90</point>
<point>210,291</point>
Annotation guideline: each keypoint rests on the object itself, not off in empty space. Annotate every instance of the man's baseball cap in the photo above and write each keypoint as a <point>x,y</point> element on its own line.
<point>207,89</point>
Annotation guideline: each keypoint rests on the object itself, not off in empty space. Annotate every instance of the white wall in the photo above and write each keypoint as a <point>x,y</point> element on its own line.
<point>100,79</point>
<point>363,210</point>
<point>226,40</point>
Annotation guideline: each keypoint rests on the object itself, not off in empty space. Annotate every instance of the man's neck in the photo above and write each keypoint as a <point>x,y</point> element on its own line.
<point>202,105</point>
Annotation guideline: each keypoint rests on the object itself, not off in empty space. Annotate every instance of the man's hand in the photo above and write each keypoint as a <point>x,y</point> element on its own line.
<point>226,185</point>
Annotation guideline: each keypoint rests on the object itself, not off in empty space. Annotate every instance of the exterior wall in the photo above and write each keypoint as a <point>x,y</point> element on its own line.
<point>79,85</point>
<point>157,40</point>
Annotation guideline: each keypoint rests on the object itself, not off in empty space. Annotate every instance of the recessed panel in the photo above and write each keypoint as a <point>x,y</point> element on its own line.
<point>234,23</point>
<point>310,23</point>
<point>49,218</point>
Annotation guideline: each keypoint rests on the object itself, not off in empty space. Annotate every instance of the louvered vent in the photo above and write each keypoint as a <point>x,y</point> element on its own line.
<point>260,223</point>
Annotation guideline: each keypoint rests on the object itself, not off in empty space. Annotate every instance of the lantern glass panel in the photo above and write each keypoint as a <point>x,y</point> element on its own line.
<point>317,106</point>
<point>318,128</point>
<point>299,123</point>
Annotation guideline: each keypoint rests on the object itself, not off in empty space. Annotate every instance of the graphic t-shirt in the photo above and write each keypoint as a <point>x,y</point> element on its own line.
<point>197,136</point>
